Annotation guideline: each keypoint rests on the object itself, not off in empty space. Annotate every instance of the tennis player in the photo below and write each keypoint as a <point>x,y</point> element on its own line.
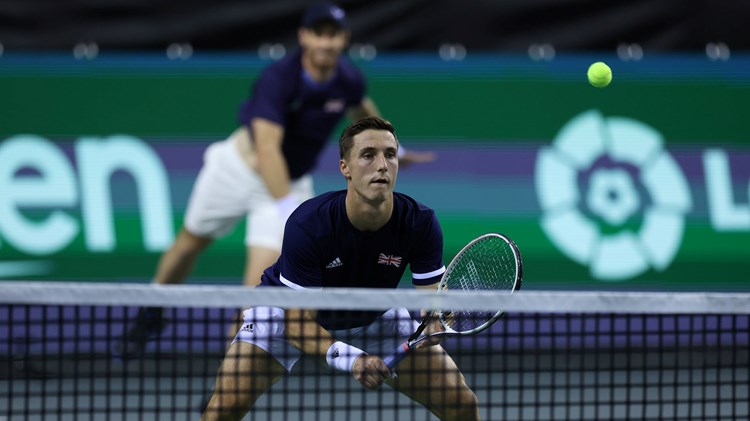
<point>262,171</point>
<point>363,236</point>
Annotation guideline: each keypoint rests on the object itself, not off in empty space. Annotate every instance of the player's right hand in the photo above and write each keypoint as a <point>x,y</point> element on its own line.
<point>434,327</point>
<point>370,371</point>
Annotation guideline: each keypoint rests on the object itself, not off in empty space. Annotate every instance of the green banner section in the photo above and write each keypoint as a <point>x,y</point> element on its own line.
<point>690,98</point>
<point>644,184</point>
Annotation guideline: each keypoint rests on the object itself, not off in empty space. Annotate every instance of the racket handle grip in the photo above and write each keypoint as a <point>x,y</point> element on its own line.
<point>401,352</point>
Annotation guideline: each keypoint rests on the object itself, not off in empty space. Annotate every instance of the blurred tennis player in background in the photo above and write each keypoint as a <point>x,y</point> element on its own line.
<point>363,236</point>
<point>262,171</point>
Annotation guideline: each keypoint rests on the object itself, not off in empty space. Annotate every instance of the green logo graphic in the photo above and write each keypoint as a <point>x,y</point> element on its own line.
<point>612,198</point>
<point>76,200</point>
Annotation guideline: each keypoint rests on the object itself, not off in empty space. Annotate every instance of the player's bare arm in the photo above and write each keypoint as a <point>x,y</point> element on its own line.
<point>405,157</point>
<point>311,338</point>
<point>267,138</point>
<point>365,108</point>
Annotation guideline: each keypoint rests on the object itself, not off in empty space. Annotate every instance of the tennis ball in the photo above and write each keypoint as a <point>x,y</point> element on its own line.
<point>599,74</point>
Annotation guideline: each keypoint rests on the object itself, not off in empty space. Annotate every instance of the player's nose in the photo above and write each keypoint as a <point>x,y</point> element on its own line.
<point>382,162</point>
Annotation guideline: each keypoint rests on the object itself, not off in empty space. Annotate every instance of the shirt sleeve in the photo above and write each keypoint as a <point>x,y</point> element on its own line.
<point>356,88</point>
<point>427,263</point>
<point>268,99</point>
<point>300,268</point>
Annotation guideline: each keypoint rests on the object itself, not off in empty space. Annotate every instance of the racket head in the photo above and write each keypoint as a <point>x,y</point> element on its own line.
<point>491,262</point>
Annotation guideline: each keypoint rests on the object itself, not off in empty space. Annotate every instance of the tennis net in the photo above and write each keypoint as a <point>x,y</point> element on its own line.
<point>553,356</point>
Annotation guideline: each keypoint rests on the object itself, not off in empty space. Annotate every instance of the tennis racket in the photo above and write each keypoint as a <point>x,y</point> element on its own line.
<point>490,262</point>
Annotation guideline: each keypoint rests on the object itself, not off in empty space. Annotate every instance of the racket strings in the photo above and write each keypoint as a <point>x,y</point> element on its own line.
<point>489,264</point>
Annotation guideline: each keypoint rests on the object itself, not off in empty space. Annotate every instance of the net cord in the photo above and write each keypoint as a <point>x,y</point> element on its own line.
<point>226,296</point>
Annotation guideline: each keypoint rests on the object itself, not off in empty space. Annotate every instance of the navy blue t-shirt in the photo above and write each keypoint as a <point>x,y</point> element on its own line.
<point>309,111</point>
<point>322,249</point>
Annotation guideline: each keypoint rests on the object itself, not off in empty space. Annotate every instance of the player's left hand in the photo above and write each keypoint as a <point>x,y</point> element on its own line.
<point>434,327</point>
<point>416,157</point>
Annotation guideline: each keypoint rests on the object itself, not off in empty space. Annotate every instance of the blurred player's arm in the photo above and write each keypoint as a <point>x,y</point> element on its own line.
<point>405,157</point>
<point>366,108</point>
<point>271,165</point>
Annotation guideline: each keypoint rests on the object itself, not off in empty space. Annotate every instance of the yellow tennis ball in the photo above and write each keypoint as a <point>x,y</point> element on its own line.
<point>599,74</point>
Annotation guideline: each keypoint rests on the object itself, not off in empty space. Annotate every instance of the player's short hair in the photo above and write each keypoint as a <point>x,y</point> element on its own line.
<point>346,141</point>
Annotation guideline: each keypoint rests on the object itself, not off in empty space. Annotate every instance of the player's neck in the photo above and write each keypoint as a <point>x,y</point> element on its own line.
<point>318,74</point>
<point>366,215</point>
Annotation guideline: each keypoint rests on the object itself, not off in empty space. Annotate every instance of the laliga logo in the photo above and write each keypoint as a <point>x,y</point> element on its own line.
<point>612,198</point>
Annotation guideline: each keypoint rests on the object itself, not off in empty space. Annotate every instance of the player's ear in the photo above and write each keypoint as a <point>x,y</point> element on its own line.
<point>344,168</point>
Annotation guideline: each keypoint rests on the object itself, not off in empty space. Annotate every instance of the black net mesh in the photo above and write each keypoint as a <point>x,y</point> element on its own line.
<point>66,362</point>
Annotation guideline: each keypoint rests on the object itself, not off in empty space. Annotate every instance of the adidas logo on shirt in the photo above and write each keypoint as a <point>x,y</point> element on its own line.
<point>335,353</point>
<point>335,263</point>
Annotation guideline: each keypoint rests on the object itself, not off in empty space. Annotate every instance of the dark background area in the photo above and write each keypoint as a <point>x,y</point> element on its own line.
<point>393,25</point>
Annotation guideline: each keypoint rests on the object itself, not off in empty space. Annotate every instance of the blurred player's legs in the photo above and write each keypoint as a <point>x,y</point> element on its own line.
<point>216,203</point>
<point>258,259</point>
<point>174,266</point>
<point>263,240</point>
<point>262,258</point>
<point>225,191</point>
<point>177,262</point>
<point>264,234</point>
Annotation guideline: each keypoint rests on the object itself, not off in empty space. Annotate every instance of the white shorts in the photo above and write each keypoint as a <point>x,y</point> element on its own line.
<point>264,327</point>
<point>227,190</point>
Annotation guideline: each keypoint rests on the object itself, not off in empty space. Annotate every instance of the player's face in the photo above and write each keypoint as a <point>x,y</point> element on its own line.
<point>323,44</point>
<point>372,165</point>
